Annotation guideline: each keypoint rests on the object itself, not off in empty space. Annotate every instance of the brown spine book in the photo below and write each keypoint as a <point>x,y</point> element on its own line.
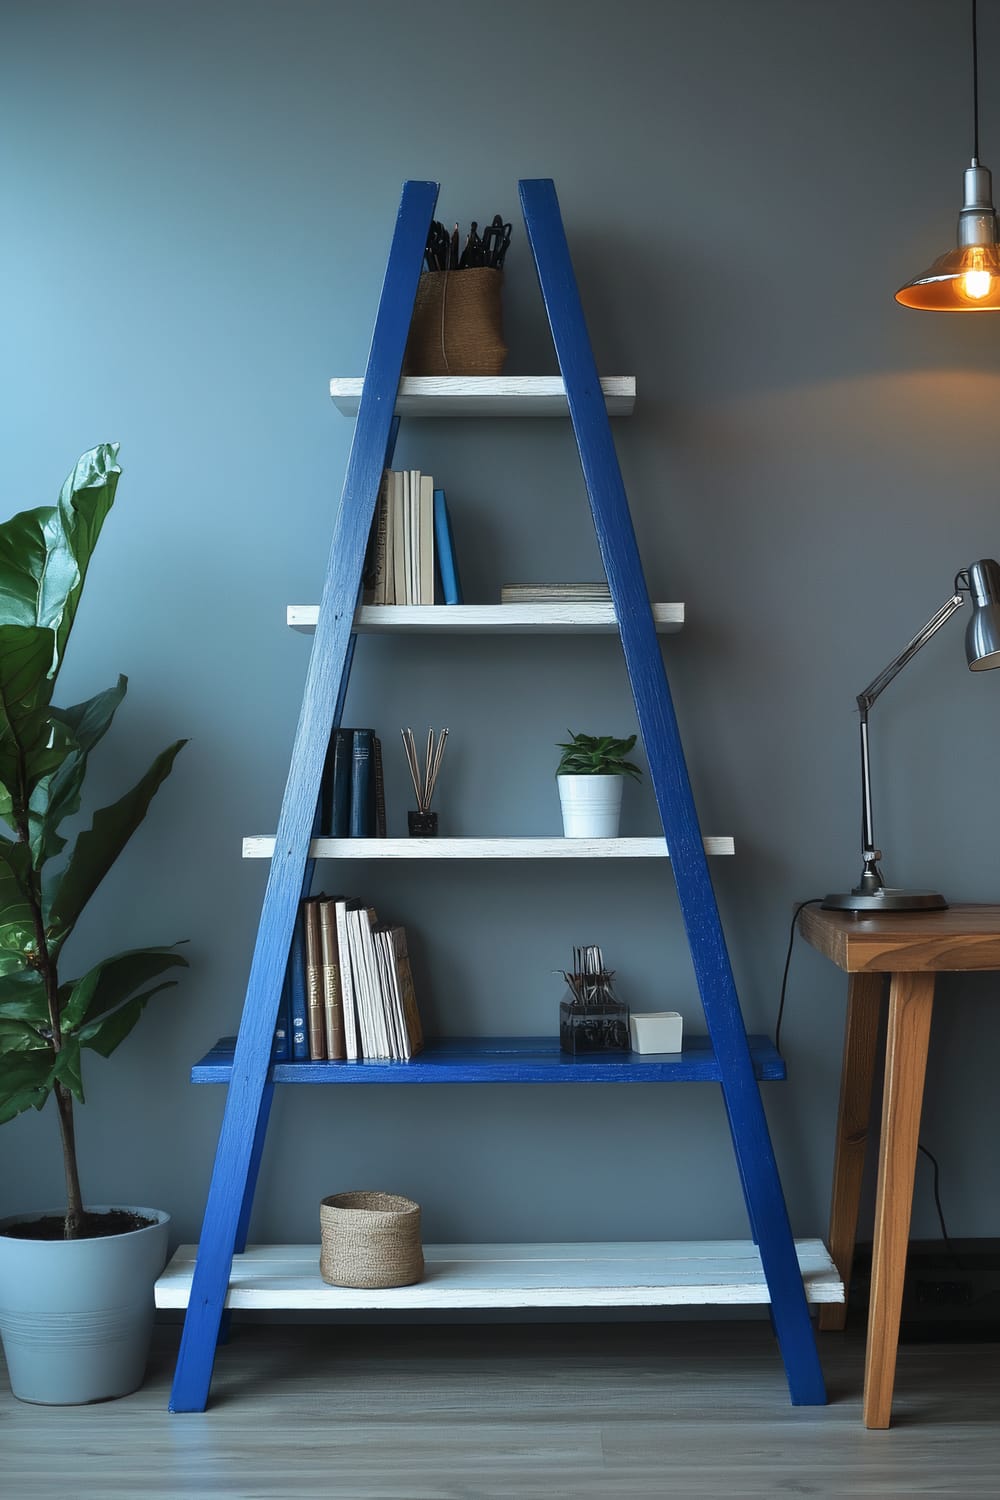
<point>314,980</point>
<point>333,1005</point>
<point>408,996</point>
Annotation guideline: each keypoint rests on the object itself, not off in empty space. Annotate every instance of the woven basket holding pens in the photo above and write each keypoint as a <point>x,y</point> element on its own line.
<point>370,1240</point>
<point>457,327</point>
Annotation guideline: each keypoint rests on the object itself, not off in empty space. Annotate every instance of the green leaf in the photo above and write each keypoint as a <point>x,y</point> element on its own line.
<point>58,795</point>
<point>22,998</point>
<point>25,1082</point>
<point>18,940</point>
<point>109,1032</point>
<point>45,553</point>
<point>18,1036</point>
<point>111,982</point>
<point>98,847</point>
<point>29,746</point>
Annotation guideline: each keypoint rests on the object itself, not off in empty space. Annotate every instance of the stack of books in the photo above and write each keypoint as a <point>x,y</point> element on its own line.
<point>348,991</point>
<point>411,555</point>
<point>555,593</point>
<point>352,794</point>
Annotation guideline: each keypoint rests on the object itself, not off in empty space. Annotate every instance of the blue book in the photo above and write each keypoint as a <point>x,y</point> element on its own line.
<point>363,785</point>
<point>297,992</point>
<point>281,1047</point>
<point>335,792</point>
<point>444,552</point>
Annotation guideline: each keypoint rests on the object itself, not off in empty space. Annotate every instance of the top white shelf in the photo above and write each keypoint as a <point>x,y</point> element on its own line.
<point>484,395</point>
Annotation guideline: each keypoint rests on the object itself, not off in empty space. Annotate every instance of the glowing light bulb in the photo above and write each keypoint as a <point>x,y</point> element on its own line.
<point>977,284</point>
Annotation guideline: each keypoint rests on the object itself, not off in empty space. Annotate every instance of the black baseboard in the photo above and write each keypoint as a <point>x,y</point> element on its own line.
<point>951,1292</point>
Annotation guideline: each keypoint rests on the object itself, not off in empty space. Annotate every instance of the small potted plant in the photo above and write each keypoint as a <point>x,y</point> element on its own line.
<point>76,1285</point>
<point>590,775</point>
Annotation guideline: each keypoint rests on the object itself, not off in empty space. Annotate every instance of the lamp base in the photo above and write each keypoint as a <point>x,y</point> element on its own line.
<point>889,898</point>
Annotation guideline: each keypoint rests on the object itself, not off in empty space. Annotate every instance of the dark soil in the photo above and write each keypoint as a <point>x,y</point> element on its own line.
<point>95,1226</point>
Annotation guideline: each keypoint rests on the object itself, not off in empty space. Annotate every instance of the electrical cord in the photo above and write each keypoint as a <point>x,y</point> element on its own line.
<point>937,1204</point>
<point>813,901</point>
<point>816,901</point>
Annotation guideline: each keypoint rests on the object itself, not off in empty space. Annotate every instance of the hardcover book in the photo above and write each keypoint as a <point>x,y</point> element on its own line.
<point>333,1009</point>
<point>444,550</point>
<point>362,785</point>
<point>351,1033</point>
<point>335,792</point>
<point>425,540</point>
<point>297,986</point>
<point>314,980</point>
<point>281,1048</point>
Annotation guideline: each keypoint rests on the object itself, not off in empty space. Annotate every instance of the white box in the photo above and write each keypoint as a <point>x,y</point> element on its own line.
<point>656,1030</point>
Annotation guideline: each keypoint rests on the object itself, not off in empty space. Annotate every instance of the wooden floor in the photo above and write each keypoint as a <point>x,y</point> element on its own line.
<point>565,1411</point>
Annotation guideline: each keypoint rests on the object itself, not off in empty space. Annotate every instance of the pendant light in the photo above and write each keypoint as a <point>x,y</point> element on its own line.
<point>966,279</point>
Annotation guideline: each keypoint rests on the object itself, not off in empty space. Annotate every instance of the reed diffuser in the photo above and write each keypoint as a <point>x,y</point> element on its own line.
<point>591,1017</point>
<point>423,823</point>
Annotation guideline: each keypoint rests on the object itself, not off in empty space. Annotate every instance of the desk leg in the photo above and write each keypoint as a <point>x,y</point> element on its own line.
<point>864,998</point>
<point>911,1000</point>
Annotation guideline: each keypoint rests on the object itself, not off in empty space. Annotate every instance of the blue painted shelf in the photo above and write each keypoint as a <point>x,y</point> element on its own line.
<point>507,1059</point>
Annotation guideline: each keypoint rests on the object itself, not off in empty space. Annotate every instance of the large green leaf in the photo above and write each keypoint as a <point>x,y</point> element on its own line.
<point>18,939</point>
<point>99,846</point>
<point>22,998</point>
<point>45,553</point>
<point>18,1036</point>
<point>57,796</point>
<point>31,747</point>
<point>110,1031</point>
<point>25,1083</point>
<point>108,984</point>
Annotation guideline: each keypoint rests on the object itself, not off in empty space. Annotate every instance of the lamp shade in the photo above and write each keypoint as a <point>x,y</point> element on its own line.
<point>982,634</point>
<point>964,280</point>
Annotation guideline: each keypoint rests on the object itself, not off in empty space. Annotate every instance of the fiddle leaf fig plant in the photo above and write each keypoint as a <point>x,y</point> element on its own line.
<point>47,1021</point>
<point>592,755</point>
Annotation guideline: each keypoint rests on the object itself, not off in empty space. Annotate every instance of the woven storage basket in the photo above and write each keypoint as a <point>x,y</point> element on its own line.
<point>457,327</point>
<point>370,1240</point>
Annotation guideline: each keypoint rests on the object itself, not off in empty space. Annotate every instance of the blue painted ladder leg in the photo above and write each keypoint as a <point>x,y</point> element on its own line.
<point>324,680</point>
<point>658,724</point>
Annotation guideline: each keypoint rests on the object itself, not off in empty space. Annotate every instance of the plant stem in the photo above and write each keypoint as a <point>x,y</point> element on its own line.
<point>73,1224</point>
<point>47,968</point>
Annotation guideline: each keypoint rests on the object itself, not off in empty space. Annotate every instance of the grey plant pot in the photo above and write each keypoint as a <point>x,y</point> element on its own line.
<point>76,1315</point>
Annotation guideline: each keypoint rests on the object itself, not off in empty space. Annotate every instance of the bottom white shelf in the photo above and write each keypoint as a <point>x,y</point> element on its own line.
<point>652,1273</point>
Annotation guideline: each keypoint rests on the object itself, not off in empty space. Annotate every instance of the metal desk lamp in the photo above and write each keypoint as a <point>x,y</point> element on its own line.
<point>981,581</point>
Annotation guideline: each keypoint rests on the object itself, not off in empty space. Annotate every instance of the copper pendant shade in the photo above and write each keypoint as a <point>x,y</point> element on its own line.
<point>966,279</point>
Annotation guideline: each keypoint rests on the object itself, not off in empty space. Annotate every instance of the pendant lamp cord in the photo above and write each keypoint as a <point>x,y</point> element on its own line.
<point>975,85</point>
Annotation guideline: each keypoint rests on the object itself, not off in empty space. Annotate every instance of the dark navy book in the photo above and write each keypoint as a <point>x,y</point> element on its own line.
<point>335,792</point>
<point>281,1047</point>
<point>363,785</point>
<point>296,981</point>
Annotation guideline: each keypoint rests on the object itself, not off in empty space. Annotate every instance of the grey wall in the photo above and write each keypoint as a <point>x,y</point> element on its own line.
<point>199,203</point>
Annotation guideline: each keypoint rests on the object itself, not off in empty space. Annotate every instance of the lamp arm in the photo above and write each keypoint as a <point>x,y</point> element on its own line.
<point>871,878</point>
<point>878,684</point>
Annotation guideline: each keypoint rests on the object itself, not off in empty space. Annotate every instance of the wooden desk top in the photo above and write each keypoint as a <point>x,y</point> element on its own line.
<point>962,937</point>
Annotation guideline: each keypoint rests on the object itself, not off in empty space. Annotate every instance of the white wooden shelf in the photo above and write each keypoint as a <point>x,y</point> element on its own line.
<point>484,395</point>
<point>487,619</point>
<point>261,846</point>
<point>658,1273</point>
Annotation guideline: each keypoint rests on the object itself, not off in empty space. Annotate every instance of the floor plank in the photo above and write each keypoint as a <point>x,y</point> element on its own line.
<point>500,1412</point>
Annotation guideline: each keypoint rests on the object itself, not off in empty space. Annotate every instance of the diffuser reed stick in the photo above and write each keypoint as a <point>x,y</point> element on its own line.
<point>424,779</point>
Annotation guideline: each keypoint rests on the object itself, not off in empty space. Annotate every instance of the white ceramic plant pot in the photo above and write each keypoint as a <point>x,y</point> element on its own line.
<point>76,1315</point>
<point>591,806</point>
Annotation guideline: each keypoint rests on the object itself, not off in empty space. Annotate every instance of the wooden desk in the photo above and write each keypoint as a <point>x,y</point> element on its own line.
<point>909,948</point>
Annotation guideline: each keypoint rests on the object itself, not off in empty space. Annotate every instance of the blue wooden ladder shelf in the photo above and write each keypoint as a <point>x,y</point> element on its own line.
<point>251,1076</point>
